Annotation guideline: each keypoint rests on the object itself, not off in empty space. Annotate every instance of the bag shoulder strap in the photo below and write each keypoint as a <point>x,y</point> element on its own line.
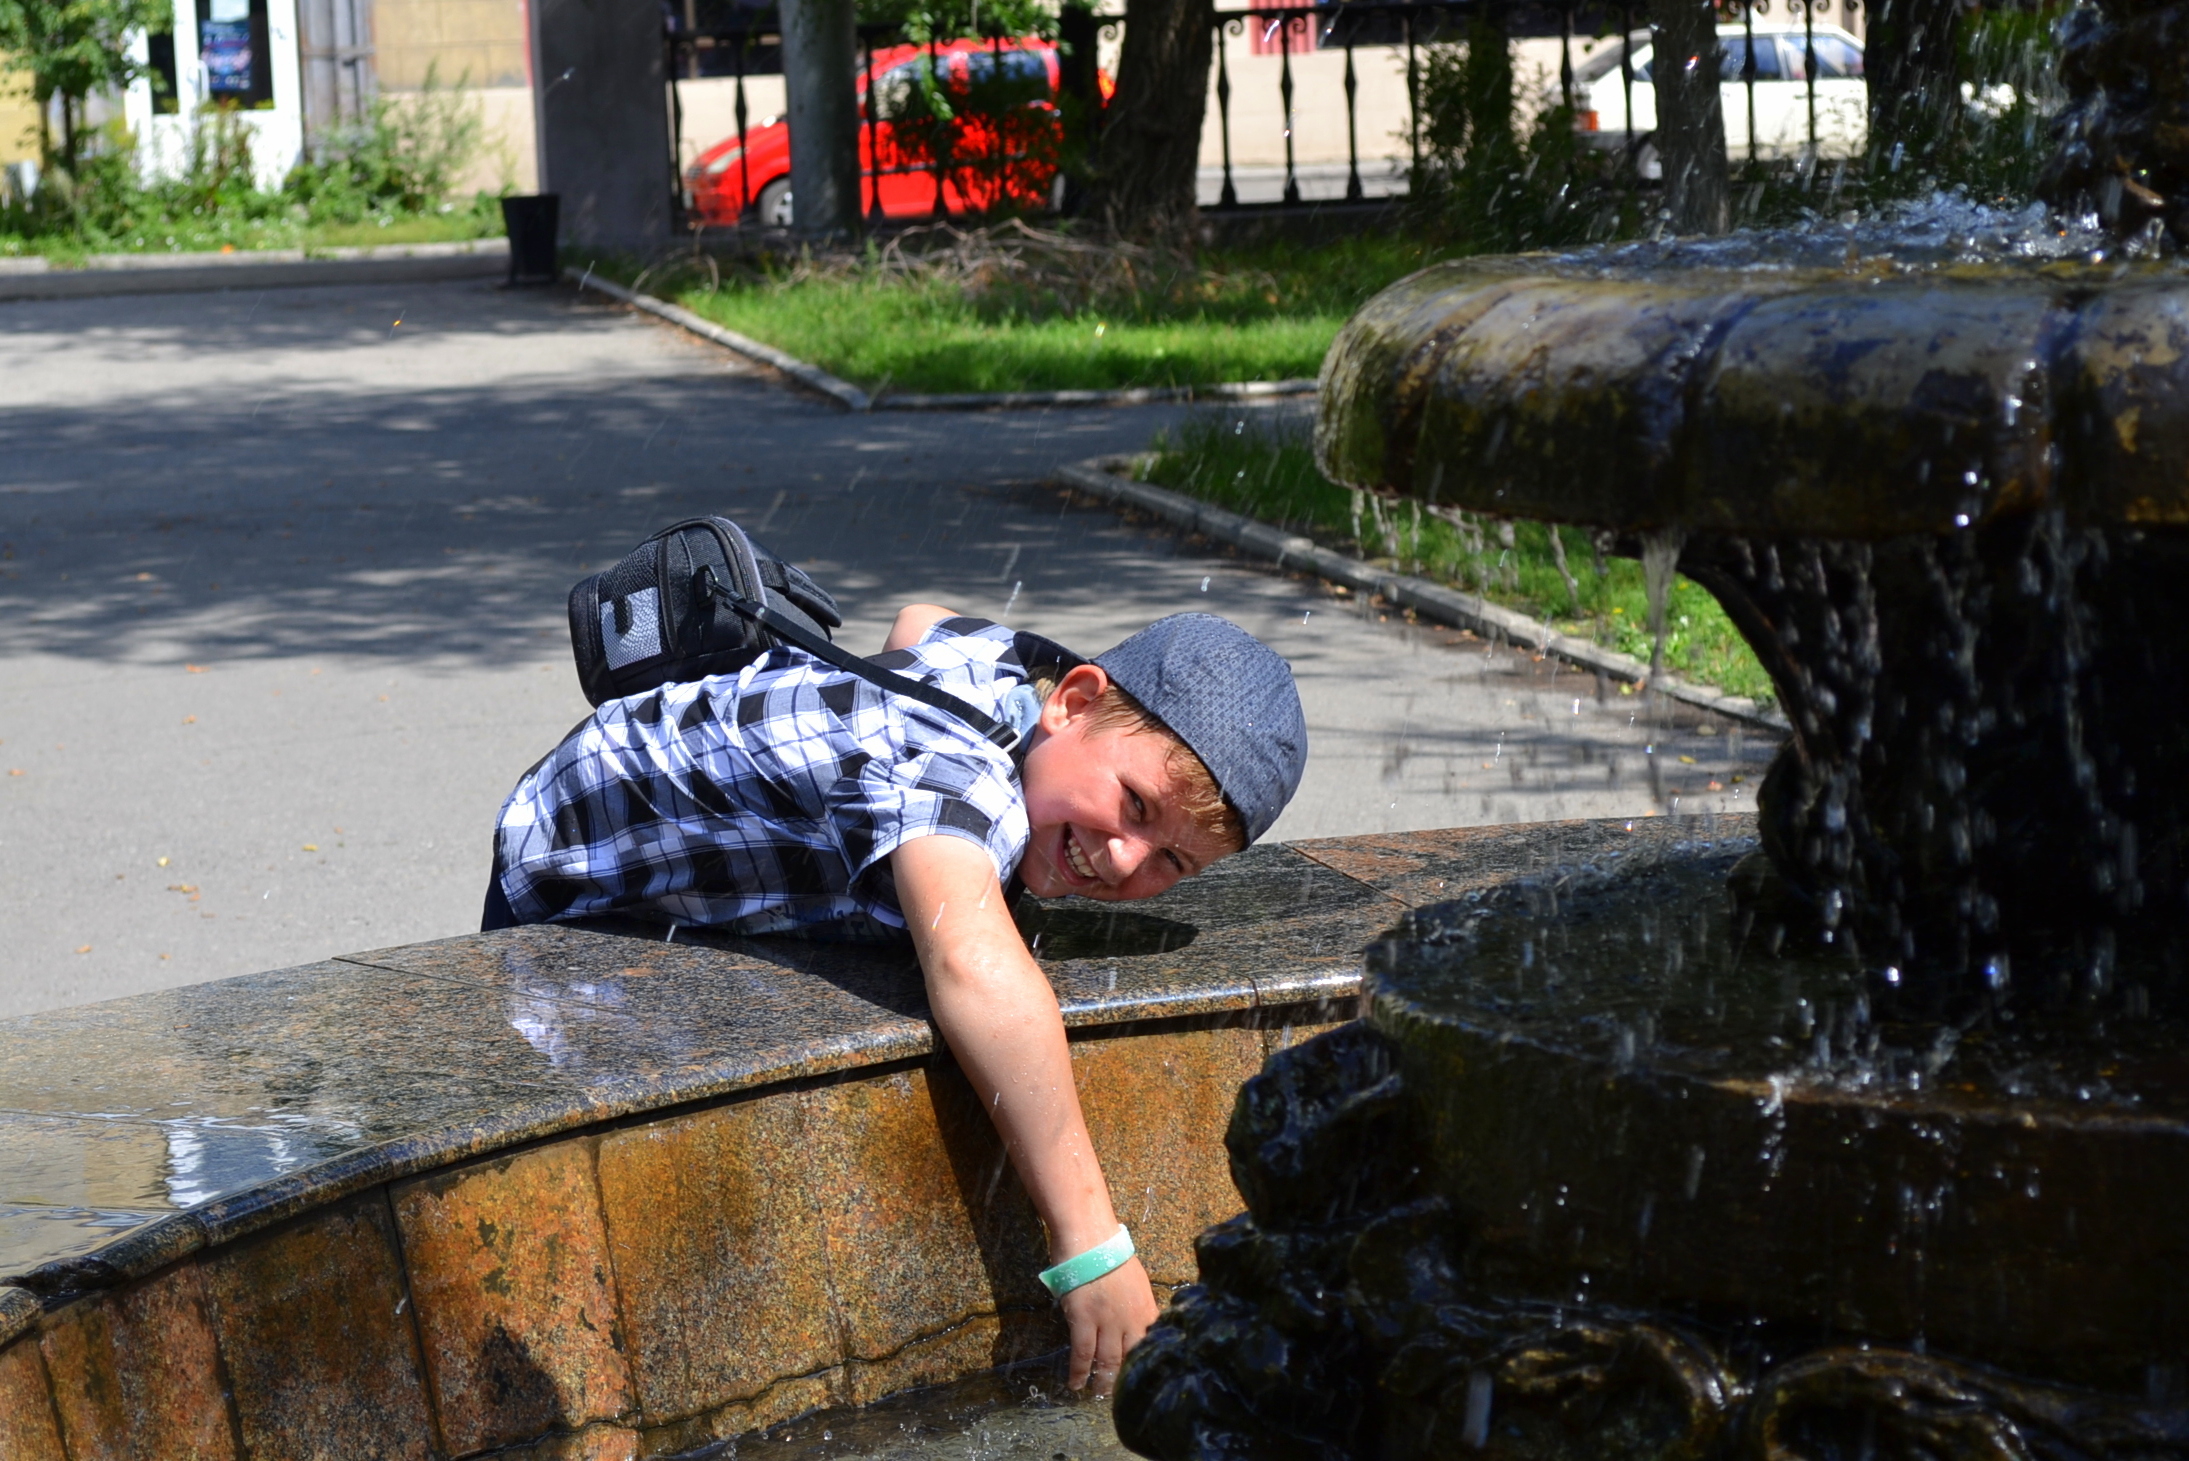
<point>791,632</point>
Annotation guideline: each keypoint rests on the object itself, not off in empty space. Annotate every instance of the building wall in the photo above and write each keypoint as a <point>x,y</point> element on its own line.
<point>481,45</point>
<point>18,117</point>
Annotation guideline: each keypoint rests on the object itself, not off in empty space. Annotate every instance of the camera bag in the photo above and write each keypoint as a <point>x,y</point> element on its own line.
<point>704,598</point>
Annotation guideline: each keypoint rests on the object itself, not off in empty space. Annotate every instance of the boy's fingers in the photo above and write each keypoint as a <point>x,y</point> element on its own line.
<point>1083,1354</point>
<point>1109,1353</point>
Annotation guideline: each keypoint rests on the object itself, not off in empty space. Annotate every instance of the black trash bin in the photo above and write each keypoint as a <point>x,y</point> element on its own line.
<point>532,219</point>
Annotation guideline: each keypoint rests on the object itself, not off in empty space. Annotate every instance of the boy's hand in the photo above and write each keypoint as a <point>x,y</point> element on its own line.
<point>1107,1317</point>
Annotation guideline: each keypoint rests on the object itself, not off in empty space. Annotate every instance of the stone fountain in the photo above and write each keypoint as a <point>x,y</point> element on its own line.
<point>1860,1129</point>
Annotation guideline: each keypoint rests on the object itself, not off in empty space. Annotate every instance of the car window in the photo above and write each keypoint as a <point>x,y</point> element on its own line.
<point>1020,66</point>
<point>1836,59</point>
<point>1641,64</point>
<point>1604,61</point>
<point>1731,50</point>
<point>895,90</point>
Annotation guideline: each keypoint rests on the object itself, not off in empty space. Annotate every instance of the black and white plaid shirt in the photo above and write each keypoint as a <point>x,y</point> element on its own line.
<point>768,801</point>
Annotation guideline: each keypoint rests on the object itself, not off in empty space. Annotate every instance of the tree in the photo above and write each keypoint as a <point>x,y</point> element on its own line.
<point>73,48</point>
<point>1690,120</point>
<point>1150,150</point>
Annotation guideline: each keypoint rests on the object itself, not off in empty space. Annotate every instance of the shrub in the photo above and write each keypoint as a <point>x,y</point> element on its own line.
<point>1490,182</point>
<point>404,158</point>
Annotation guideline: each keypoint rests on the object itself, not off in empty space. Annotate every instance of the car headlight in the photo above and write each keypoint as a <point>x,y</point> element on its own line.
<point>720,165</point>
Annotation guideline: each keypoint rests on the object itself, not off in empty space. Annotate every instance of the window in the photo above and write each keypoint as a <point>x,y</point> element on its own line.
<point>161,48</point>
<point>233,48</point>
<point>896,90</point>
<point>1021,67</point>
<point>1836,59</point>
<point>1604,61</point>
<point>1731,50</point>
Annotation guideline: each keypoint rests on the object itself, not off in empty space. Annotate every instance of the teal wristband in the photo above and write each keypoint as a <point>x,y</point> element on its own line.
<point>1103,1258</point>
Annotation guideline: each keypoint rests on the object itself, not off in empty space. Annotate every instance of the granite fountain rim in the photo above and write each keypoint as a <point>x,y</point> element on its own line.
<point>837,1009</point>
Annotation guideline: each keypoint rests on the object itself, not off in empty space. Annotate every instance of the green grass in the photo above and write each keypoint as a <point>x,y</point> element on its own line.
<point>456,226</point>
<point>227,231</point>
<point>1259,314</point>
<point>1269,472</point>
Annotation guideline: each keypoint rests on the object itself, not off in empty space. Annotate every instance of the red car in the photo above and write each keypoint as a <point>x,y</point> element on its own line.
<point>998,148</point>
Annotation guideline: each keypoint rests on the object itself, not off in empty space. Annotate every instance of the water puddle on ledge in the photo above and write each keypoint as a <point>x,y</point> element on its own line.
<point>1023,1414</point>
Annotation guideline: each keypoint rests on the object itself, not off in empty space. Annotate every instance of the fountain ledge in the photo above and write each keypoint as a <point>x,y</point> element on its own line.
<point>585,1192</point>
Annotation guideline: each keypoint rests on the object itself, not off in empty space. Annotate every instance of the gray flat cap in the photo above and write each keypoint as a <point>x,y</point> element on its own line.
<point>1230,698</point>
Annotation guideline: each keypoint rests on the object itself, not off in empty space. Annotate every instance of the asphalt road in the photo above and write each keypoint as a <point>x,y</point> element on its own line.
<point>281,608</point>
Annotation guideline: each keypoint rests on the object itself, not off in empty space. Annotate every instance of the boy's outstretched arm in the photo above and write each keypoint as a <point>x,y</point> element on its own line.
<point>997,1012</point>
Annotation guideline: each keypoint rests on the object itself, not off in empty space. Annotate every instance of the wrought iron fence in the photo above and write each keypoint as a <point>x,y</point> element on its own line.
<point>753,48</point>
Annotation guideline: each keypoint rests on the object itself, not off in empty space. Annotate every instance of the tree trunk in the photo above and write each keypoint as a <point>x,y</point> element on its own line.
<point>1690,122</point>
<point>44,99</point>
<point>1910,55</point>
<point>820,74</point>
<point>1151,133</point>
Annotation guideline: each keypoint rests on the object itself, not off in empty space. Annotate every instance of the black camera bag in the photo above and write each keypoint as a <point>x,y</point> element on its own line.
<point>660,617</point>
<point>703,598</point>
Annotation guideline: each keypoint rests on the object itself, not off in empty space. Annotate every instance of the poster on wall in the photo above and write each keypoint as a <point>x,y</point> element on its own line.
<point>224,46</point>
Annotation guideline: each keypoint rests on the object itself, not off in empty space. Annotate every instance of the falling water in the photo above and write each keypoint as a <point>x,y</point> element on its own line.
<point>1660,556</point>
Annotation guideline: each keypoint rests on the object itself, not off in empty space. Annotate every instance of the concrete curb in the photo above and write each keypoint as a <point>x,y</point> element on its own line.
<point>1246,390</point>
<point>811,375</point>
<point>1105,477</point>
<point>798,370</point>
<point>112,274</point>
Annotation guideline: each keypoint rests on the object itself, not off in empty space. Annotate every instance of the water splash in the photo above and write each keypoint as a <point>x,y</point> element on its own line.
<point>1660,557</point>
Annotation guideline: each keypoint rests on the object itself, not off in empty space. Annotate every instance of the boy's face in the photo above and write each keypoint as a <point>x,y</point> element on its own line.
<point>1104,806</point>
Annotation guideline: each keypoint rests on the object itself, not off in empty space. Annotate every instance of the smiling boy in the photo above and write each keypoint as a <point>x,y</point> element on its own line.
<point>794,796</point>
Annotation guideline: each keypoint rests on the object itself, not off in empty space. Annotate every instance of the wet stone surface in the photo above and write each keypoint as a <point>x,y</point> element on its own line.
<point>134,1131</point>
<point>1022,1414</point>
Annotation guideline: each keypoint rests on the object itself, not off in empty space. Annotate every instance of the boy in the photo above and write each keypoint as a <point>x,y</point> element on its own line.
<point>796,797</point>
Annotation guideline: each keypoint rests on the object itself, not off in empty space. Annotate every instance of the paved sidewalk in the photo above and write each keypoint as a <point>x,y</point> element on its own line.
<point>281,589</point>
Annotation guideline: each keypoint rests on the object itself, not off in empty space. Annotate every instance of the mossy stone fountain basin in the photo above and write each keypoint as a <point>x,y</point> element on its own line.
<point>1644,390</point>
<point>1866,1136</point>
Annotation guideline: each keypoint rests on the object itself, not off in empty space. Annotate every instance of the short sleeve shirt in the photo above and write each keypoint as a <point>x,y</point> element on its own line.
<point>769,800</point>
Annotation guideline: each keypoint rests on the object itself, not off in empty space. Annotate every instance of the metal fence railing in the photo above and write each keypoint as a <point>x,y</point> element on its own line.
<point>1399,31</point>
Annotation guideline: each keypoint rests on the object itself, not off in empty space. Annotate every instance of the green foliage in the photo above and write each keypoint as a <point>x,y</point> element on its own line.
<point>1267,471</point>
<point>72,48</point>
<point>403,159</point>
<point>390,178</point>
<point>1488,185</point>
<point>941,20</point>
<point>2010,88</point>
